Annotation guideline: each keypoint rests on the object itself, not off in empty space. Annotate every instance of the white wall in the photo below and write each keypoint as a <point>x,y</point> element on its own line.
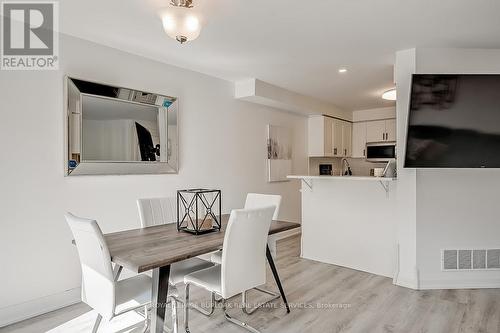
<point>444,208</point>
<point>456,208</point>
<point>222,145</point>
<point>374,114</point>
<point>260,92</point>
<point>406,272</point>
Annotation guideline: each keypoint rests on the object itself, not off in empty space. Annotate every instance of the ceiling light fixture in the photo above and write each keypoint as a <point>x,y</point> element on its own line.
<point>390,95</point>
<point>343,70</point>
<point>181,22</point>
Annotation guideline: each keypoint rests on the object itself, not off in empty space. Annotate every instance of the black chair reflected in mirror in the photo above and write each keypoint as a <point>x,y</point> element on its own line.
<point>148,150</point>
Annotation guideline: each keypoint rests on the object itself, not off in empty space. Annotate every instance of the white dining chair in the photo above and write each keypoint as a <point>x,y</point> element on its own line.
<point>257,200</point>
<point>100,290</point>
<point>243,264</point>
<point>156,211</point>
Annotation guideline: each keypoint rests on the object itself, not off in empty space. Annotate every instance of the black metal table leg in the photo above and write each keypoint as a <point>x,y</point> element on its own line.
<point>276,277</point>
<point>159,298</point>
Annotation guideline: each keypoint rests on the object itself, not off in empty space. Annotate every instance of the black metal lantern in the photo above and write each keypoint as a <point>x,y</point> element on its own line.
<point>199,210</point>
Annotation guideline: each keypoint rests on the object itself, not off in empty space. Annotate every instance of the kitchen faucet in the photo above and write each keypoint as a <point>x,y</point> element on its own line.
<point>345,163</point>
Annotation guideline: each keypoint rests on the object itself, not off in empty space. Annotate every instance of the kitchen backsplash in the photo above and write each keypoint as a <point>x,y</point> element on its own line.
<point>359,166</point>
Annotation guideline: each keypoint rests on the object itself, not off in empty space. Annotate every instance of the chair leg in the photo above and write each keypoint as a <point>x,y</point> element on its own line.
<point>186,309</point>
<point>217,300</point>
<point>97,323</point>
<point>146,321</point>
<point>203,311</point>
<point>187,305</point>
<point>248,311</point>
<point>237,322</point>
<point>175,320</point>
<point>207,313</point>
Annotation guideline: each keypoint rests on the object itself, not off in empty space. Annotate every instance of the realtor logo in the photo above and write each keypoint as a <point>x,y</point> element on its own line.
<point>29,35</point>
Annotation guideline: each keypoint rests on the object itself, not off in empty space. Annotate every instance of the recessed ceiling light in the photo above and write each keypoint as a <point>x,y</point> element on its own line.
<point>390,95</point>
<point>342,70</point>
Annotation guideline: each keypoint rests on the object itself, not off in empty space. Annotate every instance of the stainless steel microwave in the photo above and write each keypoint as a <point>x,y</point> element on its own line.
<point>380,151</point>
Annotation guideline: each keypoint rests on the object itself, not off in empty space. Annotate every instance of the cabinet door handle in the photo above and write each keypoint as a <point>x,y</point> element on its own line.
<point>364,152</point>
<point>345,152</point>
<point>383,136</point>
<point>334,151</point>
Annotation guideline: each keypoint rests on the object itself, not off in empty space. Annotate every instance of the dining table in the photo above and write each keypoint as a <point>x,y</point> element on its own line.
<point>157,247</point>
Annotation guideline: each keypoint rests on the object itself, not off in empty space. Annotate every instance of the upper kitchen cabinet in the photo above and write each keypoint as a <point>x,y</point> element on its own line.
<point>320,136</point>
<point>337,137</point>
<point>346,138</point>
<point>381,130</point>
<point>375,131</point>
<point>359,139</point>
<point>329,137</point>
<point>390,129</point>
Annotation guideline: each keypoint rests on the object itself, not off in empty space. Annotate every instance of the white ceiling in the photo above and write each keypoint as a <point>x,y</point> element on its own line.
<point>97,108</point>
<point>297,45</point>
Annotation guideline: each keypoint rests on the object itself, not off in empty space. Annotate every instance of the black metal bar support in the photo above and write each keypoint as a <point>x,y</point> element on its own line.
<point>276,277</point>
<point>159,298</point>
<point>220,210</point>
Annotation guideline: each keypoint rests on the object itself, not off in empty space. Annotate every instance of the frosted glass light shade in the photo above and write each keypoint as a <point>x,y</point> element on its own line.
<point>389,95</point>
<point>181,24</point>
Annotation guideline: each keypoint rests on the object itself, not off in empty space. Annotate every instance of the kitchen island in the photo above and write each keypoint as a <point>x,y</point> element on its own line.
<point>350,221</point>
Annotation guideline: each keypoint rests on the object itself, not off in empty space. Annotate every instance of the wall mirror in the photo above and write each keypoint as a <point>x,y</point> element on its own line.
<point>114,130</point>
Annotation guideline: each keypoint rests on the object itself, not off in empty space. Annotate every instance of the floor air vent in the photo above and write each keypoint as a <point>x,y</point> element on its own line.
<point>467,259</point>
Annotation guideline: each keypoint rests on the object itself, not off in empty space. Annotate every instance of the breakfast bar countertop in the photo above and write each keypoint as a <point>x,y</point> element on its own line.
<point>369,178</point>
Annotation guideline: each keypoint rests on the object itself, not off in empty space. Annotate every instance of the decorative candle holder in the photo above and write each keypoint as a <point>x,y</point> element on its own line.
<point>199,210</point>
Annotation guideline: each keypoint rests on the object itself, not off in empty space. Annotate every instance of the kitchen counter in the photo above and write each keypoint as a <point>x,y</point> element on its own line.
<point>368,178</point>
<point>350,221</point>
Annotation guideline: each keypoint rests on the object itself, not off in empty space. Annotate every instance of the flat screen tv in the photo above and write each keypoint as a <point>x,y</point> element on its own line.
<point>454,121</point>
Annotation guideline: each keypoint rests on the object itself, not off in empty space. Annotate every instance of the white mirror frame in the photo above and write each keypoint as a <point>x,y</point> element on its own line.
<point>73,130</point>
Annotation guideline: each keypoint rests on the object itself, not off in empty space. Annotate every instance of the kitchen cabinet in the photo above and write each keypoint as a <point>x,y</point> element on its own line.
<point>381,130</point>
<point>332,137</point>
<point>375,131</point>
<point>320,136</point>
<point>390,129</point>
<point>359,139</point>
<point>337,138</point>
<point>329,137</point>
<point>346,139</point>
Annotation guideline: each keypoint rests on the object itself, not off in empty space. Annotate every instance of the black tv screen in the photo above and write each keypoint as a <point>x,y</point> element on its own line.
<point>454,121</point>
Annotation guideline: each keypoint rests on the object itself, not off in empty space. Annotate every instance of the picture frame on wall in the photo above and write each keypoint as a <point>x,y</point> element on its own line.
<point>279,153</point>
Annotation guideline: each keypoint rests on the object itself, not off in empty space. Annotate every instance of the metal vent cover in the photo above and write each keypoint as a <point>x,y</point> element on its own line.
<point>470,259</point>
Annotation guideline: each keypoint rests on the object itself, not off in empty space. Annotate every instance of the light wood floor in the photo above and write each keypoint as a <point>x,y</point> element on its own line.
<point>325,298</point>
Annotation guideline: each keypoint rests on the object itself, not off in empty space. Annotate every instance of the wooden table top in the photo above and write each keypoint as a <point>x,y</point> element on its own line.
<point>143,249</point>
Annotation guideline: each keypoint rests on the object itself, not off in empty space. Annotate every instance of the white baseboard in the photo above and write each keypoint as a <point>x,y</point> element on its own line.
<point>460,284</point>
<point>406,283</point>
<point>18,312</point>
<point>345,265</point>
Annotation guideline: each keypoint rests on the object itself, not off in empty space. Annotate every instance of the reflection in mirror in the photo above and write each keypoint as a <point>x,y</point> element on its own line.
<point>119,131</point>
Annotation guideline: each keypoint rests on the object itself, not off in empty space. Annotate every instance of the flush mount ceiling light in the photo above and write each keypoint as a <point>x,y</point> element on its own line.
<point>390,95</point>
<point>181,22</point>
<point>342,70</point>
